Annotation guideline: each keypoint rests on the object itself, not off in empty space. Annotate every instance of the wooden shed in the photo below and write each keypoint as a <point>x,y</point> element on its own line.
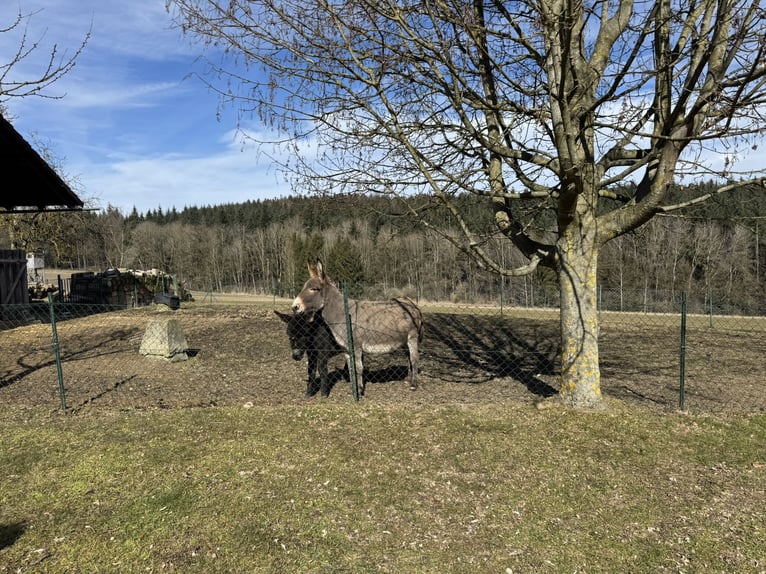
<point>13,277</point>
<point>30,185</point>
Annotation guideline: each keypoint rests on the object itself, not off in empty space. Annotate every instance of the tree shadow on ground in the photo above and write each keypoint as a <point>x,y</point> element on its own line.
<point>475,349</point>
<point>77,348</point>
<point>113,388</point>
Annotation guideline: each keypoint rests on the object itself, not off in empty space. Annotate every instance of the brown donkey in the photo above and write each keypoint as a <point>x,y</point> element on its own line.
<point>376,327</point>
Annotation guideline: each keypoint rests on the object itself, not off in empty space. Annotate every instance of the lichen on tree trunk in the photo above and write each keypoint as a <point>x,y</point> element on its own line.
<point>580,372</point>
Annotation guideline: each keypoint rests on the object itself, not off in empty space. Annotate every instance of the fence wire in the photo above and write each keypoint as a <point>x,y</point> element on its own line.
<point>219,352</point>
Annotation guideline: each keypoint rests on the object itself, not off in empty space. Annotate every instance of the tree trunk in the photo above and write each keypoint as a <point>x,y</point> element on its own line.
<point>580,373</point>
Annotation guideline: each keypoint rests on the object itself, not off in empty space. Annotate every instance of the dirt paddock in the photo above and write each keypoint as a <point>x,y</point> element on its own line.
<point>240,356</point>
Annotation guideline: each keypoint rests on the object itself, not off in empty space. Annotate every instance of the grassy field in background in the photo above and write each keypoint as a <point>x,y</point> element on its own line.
<point>694,321</point>
<point>372,488</point>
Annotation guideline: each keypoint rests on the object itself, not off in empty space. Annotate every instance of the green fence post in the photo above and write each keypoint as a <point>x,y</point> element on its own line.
<point>682,357</point>
<point>62,392</point>
<point>350,338</point>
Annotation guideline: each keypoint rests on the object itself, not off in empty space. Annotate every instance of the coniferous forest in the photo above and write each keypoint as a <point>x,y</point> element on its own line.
<point>715,253</point>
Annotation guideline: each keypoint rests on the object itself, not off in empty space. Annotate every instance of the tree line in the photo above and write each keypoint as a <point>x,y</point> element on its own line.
<point>716,251</point>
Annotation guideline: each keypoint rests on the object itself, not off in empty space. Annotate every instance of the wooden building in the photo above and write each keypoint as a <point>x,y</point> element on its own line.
<point>30,185</point>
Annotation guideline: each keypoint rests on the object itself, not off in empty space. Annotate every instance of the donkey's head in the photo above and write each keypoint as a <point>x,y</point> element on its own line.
<point>300,330</point>
<point>311,299</point>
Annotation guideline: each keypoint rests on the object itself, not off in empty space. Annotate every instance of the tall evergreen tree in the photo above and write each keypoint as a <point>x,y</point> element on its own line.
<point>305,249</point>
<point>344,264</point>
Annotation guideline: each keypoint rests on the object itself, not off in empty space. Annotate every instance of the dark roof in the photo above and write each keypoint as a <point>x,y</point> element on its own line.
<point>30,184</point>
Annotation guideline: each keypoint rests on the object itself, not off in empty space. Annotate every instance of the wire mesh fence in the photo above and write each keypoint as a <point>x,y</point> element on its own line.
<point>221,351</point>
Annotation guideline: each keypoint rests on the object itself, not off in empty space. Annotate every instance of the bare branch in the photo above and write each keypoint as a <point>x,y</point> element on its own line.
<point>759,182</point>
<point>13,83</point>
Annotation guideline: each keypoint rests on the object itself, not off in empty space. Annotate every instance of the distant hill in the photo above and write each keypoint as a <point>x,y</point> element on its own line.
<point>319,213</point>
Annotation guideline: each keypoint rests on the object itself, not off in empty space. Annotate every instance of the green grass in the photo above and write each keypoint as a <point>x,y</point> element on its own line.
<point>370,488</point>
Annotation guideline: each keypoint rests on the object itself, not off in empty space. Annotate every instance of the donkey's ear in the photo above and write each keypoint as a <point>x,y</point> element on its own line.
<point>284,316</point>
<point>320,269</point>
<point>312,271</point>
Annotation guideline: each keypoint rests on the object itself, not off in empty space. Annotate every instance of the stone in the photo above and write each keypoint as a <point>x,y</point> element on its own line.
<point>165,338</point>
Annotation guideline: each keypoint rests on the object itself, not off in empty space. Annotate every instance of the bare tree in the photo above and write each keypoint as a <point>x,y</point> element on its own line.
<point>113,237</point>
<point>20,83</point>
<point>568,119</point>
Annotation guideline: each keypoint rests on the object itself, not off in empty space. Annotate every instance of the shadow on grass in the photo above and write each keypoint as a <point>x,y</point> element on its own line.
<point>10,533</point>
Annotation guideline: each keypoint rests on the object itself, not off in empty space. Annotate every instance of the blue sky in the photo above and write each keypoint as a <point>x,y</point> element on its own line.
<point>132,128</point>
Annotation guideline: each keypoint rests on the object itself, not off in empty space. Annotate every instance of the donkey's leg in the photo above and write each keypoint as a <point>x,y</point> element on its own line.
<point>347,364</point>
<point>412,347</point>
<point>313,358</point>
<point>360,372</point>
<point>324,383</point>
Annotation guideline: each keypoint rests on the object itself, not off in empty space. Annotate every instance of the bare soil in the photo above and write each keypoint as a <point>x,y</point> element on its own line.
<point>239,356</point>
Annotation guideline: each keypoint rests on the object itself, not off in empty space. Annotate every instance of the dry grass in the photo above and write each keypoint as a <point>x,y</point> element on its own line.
<point>375,488</point>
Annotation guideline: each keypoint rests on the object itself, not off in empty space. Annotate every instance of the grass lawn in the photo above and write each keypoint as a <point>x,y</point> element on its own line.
<point>381,488</point>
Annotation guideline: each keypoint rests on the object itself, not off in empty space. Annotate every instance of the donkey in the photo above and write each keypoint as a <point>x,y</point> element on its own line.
<point>376,327</point>
<point>309,334</point>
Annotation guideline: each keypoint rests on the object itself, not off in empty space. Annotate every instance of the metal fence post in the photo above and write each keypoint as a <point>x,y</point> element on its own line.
<point>57,354</point>
<point>600,301</point>
<point>502,293</point>
<point>682,357</point>
<point>350,338</point>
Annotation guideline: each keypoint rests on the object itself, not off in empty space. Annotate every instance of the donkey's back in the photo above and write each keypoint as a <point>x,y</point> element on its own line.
<point>385,326</point>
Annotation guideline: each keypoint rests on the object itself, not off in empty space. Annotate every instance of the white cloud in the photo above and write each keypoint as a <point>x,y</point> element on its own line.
<point>132,128</point>
<point>115,96</point>
<point>232,175</point>
<point>135,29</point>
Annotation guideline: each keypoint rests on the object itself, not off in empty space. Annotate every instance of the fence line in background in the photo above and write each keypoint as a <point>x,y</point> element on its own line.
<point>713,361</point>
